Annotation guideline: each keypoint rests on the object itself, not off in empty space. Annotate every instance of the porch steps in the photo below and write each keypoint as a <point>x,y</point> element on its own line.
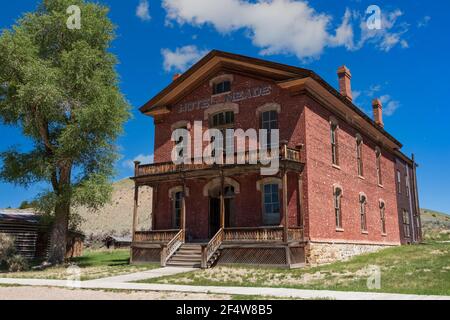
<point>188,255</point>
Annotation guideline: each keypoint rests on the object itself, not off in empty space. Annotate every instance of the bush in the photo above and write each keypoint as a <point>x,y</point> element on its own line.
<point>8,257</point>
<point>7,248</point>
<point>17,263</point>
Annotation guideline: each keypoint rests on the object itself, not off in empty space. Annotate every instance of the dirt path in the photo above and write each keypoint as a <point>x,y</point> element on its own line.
<point>46,293</point>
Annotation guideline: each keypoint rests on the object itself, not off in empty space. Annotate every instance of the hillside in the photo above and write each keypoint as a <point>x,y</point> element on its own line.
<point>436,225</point>
<point>116,217</point>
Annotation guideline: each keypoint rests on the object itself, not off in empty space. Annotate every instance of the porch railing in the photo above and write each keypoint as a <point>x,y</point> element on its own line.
<point>155,235</point>
<point>253,234</point>
<point>295,234</point>
<point>286,153</point>
<point>210,249</point>
<point>171,247</point>
<point>262,234</point>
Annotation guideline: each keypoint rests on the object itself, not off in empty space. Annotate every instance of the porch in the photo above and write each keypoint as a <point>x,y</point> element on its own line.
<point>274,245</point>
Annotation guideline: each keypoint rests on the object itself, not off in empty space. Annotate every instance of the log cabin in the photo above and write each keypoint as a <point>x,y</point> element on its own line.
<point>343,186</point>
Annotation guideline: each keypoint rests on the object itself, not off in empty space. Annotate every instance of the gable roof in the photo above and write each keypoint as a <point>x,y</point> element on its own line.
<point>285,75</point>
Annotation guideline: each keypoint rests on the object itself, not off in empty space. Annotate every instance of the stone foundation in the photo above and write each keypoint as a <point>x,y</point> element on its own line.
<point>327,252</point>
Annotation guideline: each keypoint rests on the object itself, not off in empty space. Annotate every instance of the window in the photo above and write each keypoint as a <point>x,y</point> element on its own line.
<point>406,224</point>
<point>407,185</point>
<point>222,87</point>
<point>334,144</point>
<point>378,161</point>
<point>337,207</point>
<point>359,146</point>
<point>271,204</point>
<point>269,121</point>
<point>399,182</point>
<point>176,207</point>
<point>383,216</point>
<point>222,119</point>
<point>362,205</point>
<point>179,142</point>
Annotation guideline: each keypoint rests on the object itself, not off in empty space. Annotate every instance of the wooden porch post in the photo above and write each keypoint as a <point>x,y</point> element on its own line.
<point>285,206</point>
<point>299,200</point>
<point>136,200</point>
<point>222,201</point>
<point>183,210</point>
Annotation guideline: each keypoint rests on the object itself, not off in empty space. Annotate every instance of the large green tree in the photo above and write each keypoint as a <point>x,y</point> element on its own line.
<point>60,87</point>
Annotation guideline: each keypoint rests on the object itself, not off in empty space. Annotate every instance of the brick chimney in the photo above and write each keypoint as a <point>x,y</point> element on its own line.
<point>176,76</point>
<point>345,86</point>
<point>378,112</point>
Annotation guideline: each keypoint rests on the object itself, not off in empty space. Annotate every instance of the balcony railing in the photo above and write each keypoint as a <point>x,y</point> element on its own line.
<point>286,153</point>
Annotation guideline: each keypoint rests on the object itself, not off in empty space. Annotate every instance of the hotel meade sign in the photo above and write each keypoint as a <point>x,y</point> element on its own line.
<point>234,96</point>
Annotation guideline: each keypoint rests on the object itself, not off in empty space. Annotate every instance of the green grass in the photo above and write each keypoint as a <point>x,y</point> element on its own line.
<point>93,264</point>
<point>421,269</point>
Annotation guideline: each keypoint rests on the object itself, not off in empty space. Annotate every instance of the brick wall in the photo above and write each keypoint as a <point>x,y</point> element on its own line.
<point>302,121</point>
<point>321,175</point>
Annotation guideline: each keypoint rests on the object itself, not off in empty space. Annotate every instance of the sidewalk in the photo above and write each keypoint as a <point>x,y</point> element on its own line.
<point>119,283</point>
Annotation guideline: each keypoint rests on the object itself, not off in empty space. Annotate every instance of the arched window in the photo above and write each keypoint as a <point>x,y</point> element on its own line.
<point>378,163</point>
<point>176,209</point>
<point>269,122</point>
<point>359,157</point>
<point>222,87</point>
<point>337,195</point>
<point>363,213</point>
<point>334,141</point>
<point>383,216</point>
<point>176,196</point>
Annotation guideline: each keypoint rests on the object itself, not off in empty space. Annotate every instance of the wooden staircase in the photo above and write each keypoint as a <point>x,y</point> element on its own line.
<point>188,255</point>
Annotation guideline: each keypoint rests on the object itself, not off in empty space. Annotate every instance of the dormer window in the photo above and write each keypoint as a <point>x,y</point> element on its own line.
<point>222,87</point>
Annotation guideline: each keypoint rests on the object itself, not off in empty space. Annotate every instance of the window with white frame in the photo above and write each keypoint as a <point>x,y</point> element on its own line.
<point>399,182</point>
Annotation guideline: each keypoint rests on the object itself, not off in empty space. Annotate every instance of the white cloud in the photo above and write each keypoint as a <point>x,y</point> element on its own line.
<point>424,22</point>
<point>144,159</point>
<point>390,34</point>
<point>389,105</point>
<point>143,10</point>
<point>285,26</point>
<point>182,58</point>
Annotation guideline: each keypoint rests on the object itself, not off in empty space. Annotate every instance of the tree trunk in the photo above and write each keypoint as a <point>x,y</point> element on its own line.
<point>58,237</point>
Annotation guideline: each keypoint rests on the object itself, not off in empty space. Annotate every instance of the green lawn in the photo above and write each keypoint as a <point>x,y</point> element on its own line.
<point>94,264</point>
<point>421,269</point>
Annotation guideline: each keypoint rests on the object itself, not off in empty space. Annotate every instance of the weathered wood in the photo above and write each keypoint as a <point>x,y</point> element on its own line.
<point>211,248</point>
<point>286,153</point>
<point>285,207</point>
<point>167,250</point>
<point>155,235</point>
<point>253,234</point>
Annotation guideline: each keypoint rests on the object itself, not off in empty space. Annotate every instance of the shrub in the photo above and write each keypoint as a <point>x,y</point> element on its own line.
<point>8,257</point>
<point>17,263</point>
<point>7,248</point>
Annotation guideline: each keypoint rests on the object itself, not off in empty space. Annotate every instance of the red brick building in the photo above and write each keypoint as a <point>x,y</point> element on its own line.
<point>343,186</point>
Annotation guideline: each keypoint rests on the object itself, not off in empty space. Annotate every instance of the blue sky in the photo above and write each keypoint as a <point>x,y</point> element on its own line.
<point>405,63</point>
